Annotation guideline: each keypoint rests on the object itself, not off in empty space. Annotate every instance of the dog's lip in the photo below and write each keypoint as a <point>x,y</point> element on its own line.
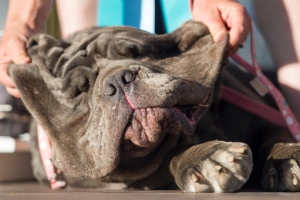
<point>188,115</point>
<point>139,138</point>
<point>190,111</point>
<point>187,112</point>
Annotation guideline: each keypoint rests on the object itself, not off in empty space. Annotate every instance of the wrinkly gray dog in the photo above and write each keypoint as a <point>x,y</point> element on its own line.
<point>127,109</point>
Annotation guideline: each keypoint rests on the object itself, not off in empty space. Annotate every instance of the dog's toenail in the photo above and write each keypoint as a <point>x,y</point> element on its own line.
<point>240,150</point>
<point>229,158</point>
<point>295,180</point>
<point>194,178</point>
<point>218,167</point>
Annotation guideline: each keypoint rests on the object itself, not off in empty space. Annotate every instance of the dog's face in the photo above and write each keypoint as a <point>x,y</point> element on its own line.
<point>116,95</point>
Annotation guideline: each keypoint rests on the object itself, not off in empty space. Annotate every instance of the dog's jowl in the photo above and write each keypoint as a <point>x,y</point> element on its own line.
<point>124,108</point>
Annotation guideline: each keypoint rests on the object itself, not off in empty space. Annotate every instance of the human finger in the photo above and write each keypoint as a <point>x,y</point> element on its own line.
<point>239,25</point>
<point>13,91</point>
<point>216,27</point>
<point>210,16</point>
<point>16,50</point>
<point>4,78</point>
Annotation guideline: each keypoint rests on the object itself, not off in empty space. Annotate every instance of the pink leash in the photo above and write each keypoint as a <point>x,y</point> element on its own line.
<point>252,106</point>
<point>263,85</point>
<point>54,175</point>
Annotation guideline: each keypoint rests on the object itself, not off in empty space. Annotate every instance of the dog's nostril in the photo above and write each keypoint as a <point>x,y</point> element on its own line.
<point>110,90</point>
<point>128,77</point>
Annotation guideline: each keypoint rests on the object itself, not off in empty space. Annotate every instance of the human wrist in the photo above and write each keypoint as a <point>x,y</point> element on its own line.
<point>18,28</point>
<point>31,14</point>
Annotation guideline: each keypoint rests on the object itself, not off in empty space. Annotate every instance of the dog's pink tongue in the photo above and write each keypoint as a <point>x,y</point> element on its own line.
<point>148,125</point>
<point>144,128</point>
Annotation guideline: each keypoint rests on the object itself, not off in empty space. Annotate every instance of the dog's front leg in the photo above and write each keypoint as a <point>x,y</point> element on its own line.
<point>214,166</point>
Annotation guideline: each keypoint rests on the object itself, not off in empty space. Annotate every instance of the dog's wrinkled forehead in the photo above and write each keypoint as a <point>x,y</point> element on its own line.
<point>185,53</point>
<point>89,87</point>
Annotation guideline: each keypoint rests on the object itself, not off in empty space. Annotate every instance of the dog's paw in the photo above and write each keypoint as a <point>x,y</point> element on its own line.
<point>282,171</point>
<point>225,169</point>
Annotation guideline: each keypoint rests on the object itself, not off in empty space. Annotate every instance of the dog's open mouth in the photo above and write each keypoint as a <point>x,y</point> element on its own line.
<point>149,126</point>
<point>191,112</point>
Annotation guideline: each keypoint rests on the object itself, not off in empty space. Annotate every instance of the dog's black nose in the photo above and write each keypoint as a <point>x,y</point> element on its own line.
<point>110,90</point>
<point>128,77</point>
<point>118,81</point>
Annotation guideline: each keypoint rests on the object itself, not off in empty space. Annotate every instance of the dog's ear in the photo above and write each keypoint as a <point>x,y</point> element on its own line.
<point>56,88</point>
<point>57,97</point>
<point>50,91</point>
<point>190,53</point>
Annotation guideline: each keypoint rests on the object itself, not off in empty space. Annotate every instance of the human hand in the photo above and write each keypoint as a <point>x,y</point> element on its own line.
<point>13,49</point>
<point>221,16</point>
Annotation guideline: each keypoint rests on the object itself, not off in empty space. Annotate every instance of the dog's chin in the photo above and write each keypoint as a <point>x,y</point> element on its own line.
<point>148,127</point>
